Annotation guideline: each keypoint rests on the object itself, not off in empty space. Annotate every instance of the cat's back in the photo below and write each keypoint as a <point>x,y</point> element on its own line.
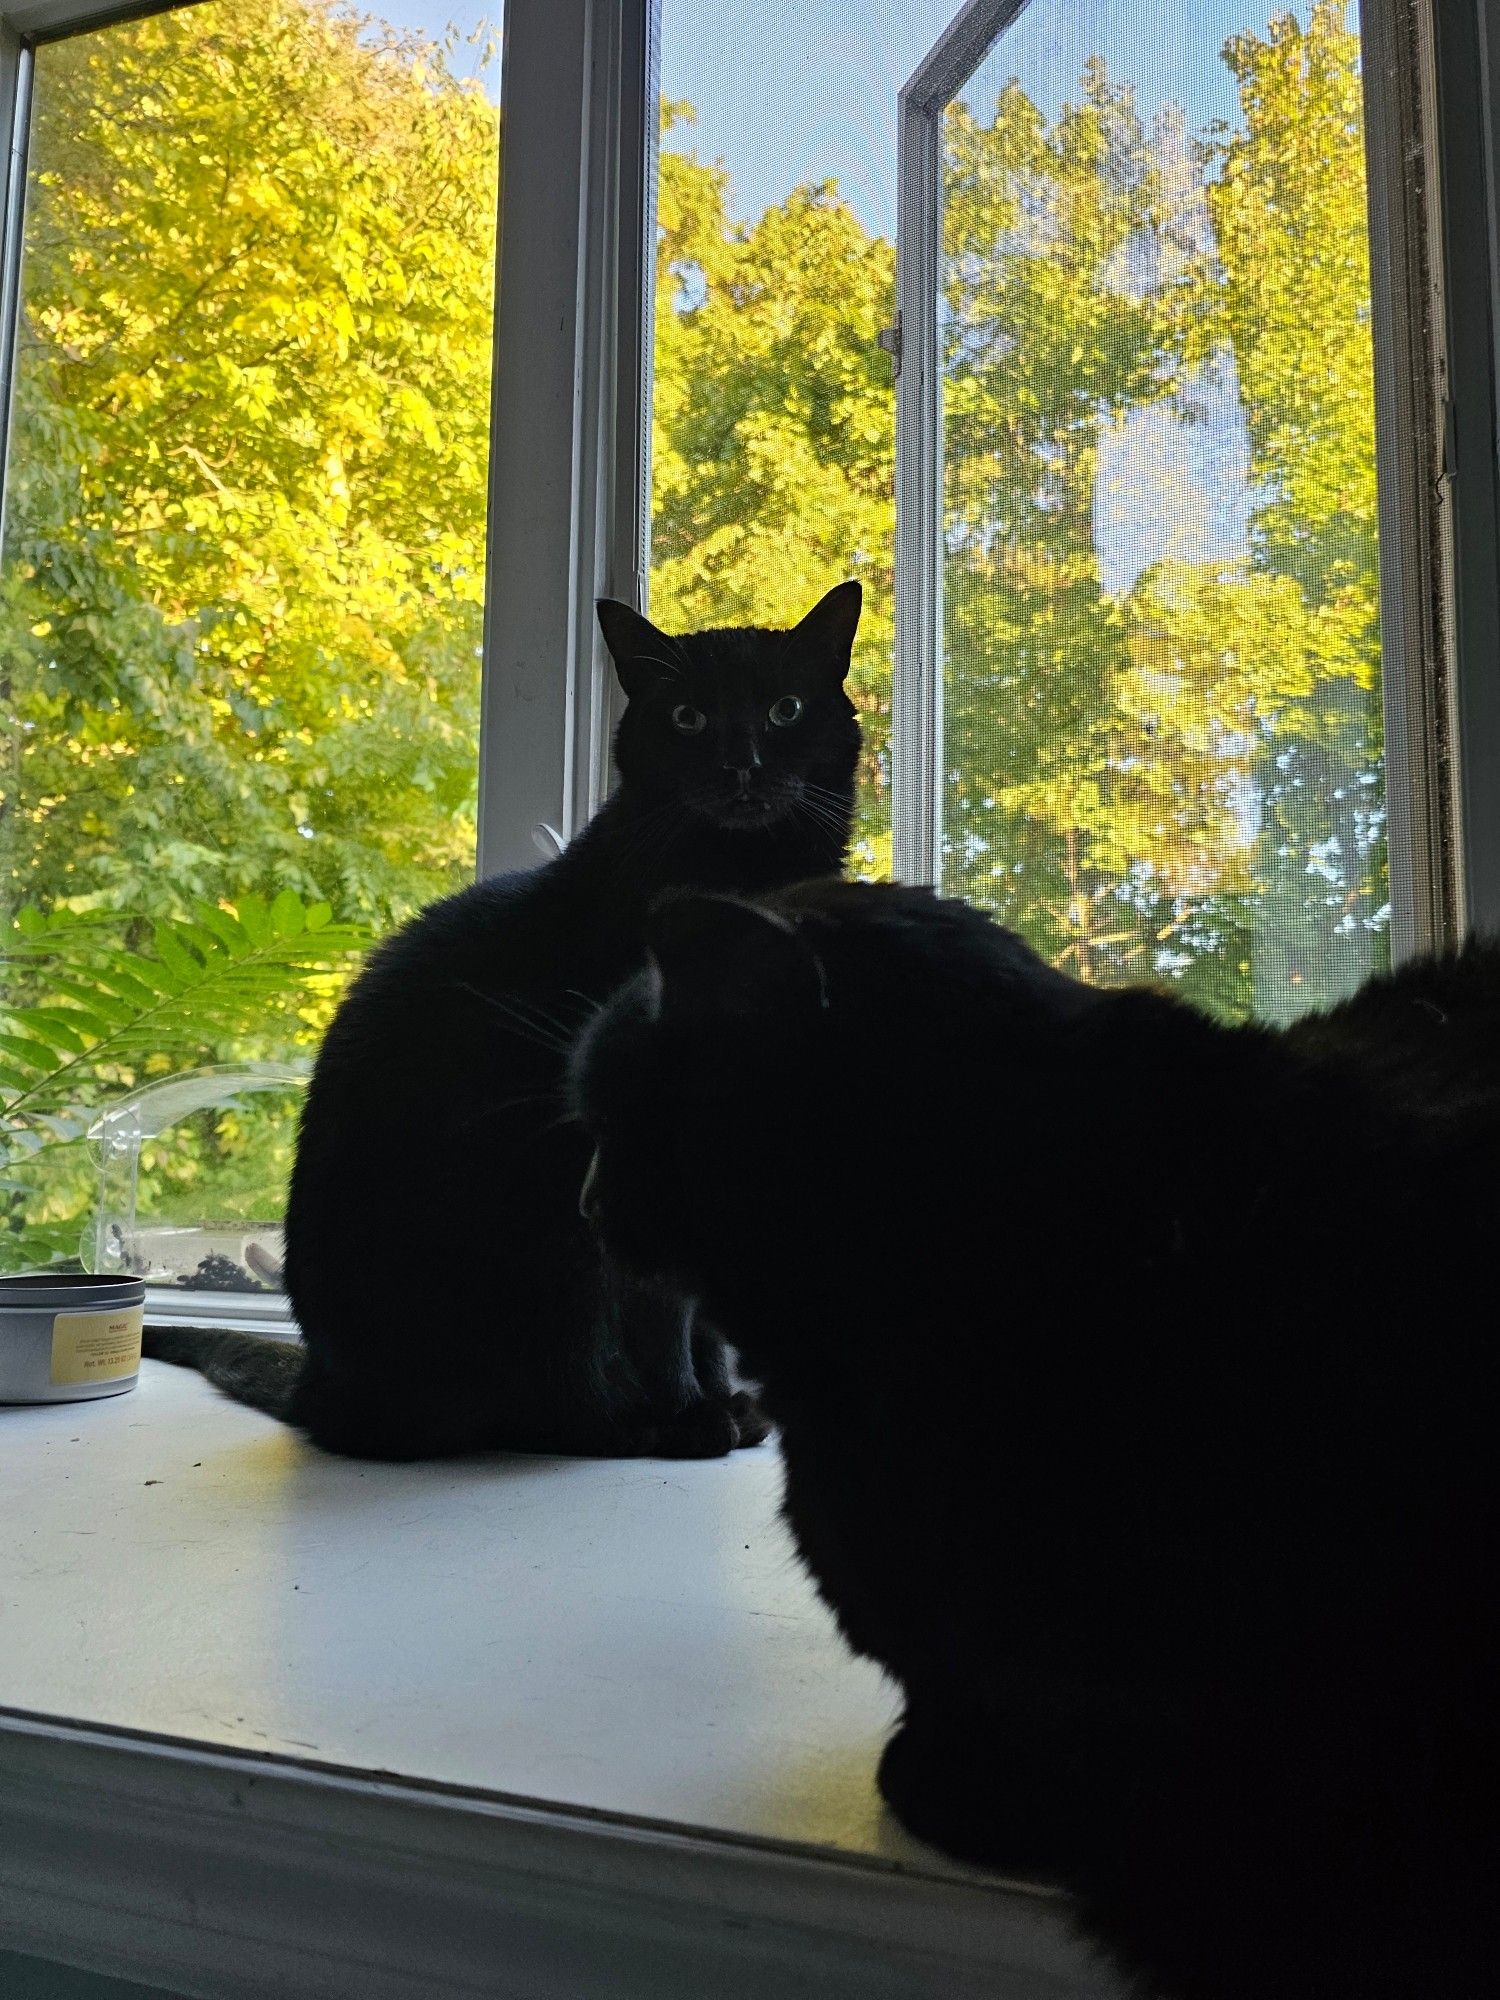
<point>489,923</point>
<point>528,932</point>
<point>477,987</point>
<point>1425,1038</point>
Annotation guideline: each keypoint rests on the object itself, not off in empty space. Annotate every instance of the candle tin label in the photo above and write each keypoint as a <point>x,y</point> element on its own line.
<point>95,1346</point>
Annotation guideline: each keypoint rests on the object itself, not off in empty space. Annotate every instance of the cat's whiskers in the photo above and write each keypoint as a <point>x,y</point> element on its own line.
<point>564,1028</point>
<point>677,647</point>
<point>667,666</point>
<point>822,817</point>
<point>529,1030</point>
<point>839,805</point>
<point>820,794</point>
<point>840,800</point>
<point>834,822</point>
<point>486,1112</point>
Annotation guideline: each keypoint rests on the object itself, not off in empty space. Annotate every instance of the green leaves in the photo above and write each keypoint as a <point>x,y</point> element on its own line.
<point>241,606</point>
<point>30,1054</point>
<point>110,1011</point>
<point>84,1016</point>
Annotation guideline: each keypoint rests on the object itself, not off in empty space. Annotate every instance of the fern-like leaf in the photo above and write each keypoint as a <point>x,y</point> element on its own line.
<point>108,1007</point>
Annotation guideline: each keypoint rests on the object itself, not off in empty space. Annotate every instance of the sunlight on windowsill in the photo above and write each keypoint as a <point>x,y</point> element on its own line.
<point>626,1636</point>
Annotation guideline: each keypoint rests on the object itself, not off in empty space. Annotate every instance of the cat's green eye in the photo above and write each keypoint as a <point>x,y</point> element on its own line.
<point>786,711</point>
<point>691,721</point>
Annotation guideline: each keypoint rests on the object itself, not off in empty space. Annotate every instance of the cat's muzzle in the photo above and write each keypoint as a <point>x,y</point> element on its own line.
<point>748,807</point>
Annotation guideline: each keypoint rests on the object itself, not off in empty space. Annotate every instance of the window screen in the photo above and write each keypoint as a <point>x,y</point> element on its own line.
<point>1160,631</point>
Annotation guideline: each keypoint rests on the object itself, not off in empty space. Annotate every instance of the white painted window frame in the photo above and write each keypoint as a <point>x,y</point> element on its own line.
<point>917,681</point>
<point>1432,85</point>
<point>570,441</point>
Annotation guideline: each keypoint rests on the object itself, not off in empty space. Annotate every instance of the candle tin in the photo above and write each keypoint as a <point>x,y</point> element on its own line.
<point>65,1339</point>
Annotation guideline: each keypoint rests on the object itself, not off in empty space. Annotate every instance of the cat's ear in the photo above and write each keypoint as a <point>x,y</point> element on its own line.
<point>643,656</point>
<point>824,639</point>
<point>728,960</point>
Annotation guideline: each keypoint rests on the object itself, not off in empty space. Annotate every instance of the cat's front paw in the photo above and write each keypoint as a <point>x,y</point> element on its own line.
<point>703,1430</point>
<point>750,1420</point>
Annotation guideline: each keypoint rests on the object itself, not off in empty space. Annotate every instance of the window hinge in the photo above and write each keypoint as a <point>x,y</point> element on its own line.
<point>889,337</point>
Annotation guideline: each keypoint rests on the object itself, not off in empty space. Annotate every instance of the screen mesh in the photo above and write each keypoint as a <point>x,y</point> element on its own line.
<point>1161,641</point>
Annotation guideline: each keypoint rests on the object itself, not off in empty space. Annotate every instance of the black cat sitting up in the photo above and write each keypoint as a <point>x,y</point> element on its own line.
<point>450,1296</point>
<point>1136,1378</point>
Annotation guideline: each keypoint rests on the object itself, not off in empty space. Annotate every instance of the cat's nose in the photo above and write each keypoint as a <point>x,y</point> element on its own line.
<point>742,759</point>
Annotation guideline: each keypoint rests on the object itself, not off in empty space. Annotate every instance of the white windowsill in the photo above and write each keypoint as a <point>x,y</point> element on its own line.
<point>277,1722</point>
<point>250,1312</point>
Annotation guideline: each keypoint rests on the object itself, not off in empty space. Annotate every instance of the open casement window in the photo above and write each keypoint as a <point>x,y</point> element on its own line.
<point>1172,683</point>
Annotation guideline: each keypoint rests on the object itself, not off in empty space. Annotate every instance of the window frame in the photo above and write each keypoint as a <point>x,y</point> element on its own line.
<point>1459,50</point>
<point>570,411</point>
<point>917,676</point>
<point>1430,99</point>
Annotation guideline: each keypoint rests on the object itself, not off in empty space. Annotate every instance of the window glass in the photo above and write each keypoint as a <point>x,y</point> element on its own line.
<point>242,574</point>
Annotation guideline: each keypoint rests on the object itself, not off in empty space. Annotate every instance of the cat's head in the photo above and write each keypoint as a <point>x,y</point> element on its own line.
<point>743,727</point>
<point>779,1066</point>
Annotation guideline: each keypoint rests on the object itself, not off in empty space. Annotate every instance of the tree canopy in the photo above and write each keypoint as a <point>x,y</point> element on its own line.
<point>244,561</point>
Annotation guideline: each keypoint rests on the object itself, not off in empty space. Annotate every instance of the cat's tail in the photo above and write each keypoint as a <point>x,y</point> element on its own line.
<point>263,1373</point>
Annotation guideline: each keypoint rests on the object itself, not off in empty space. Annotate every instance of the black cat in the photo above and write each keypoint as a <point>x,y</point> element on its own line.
<point>450,1295</point>
<point>1136,1378</point>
